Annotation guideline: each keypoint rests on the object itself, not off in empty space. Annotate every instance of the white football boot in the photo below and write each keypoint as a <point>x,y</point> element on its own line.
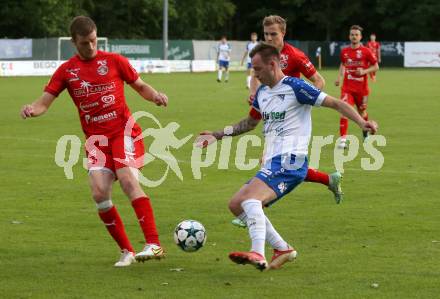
<point>150,251</point>
<point>343,143</point>
<point>126,259</point>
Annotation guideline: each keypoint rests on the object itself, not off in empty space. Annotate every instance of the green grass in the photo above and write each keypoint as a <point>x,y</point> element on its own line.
<point>382,233</point>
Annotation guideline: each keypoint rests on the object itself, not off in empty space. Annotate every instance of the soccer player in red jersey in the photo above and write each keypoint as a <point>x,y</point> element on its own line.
<point>294,63</point>
<point>95,82</point>
<point>374,46</point>
<point>356,62</point>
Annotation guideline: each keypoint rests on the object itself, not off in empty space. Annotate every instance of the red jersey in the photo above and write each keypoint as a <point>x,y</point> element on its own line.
<point>374,47</point>
<point>96,87</point>
<point>294,62</point>
<point>353,59</point>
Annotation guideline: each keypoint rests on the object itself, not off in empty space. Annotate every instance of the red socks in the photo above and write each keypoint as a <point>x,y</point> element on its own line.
<point>343,126</point>
<point>144,213</point>
<point>115,227</point>
<point>316,176</point>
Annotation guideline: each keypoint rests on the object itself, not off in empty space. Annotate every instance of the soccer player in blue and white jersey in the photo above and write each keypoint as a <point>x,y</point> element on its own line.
<point>250,45</point>
<point>284,104</point>
<point>223,56</point>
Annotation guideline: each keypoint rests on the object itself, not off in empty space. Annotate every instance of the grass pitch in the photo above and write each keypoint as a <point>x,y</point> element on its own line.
<point>383,241</point>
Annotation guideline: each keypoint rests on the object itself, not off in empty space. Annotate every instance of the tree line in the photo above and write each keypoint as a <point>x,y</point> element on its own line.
<point>209,19</point>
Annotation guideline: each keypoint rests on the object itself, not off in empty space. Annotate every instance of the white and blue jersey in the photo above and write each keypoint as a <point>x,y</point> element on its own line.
<point>249,48</point>
<point>286,112</point>
<point>224,54</point>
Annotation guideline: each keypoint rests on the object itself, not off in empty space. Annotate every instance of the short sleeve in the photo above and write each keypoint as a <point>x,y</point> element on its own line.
<point>128,73</point>
<point>255,107</point>
<point>305,66</point>
<point>371,57</point>
<point>57,82</point>
<point>305,93</point>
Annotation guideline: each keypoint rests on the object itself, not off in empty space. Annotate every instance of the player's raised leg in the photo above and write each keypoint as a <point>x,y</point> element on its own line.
<point>101,185</point>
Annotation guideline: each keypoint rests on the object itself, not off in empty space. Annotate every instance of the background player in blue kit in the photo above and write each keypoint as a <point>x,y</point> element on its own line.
<point>223,57</point>
<point>250,45</point>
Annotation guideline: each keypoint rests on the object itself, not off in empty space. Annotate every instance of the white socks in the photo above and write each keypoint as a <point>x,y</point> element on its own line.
<point>219,76</point>
<point>272,236</point>
<point>256,222</point>
<point>248,82</point>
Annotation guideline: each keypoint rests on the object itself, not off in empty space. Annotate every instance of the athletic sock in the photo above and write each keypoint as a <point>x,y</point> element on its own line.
<point>316,176</point>
<point>226,75</point>
<point>248,81</point>
<point>343,126</point>
<point>144,212</point>
<point>115,227</point>
<point>256,224</point>
<point>219,76</point>
<point>273,238</point>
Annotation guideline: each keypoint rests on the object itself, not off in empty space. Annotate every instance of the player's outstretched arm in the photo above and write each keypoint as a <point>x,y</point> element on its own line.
<point>149,93</point>
<point>244,57</point>
<point>340,74</point>
<point>318,80</point>
<point>349,112</point>
<point>38,107</point>
<point>205,138</point>
<point>255,83</point>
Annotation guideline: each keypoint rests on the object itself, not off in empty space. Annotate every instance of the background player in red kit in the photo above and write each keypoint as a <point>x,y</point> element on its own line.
<point>374,46</point>
<point>356,62</point>
<point>294,63</point>
<point>95,82</point>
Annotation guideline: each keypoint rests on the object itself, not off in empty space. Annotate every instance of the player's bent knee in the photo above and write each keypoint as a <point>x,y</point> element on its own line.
<point>235,206</point>
<point>99,194</point>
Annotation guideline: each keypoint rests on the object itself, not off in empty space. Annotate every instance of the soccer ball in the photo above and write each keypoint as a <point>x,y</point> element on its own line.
<point>190,235</point>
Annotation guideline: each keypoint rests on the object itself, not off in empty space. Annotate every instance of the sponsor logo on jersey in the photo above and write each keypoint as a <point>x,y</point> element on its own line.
<point>73,73</point>
<point>284,58</point>
<point>351,62</point>
<point>103,68</point>
<point>308,65</point>
<point>108,100</point>
<point>100,118</point>
<point>87,107</point>
<point>87,89</point>
<point>275,116</point>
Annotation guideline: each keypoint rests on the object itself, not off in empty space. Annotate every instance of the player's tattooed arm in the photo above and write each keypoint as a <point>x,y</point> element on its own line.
<point>245,125</point>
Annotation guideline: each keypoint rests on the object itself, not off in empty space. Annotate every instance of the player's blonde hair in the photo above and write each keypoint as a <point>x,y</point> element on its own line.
<point>356,27</point>
<point>274,19</point>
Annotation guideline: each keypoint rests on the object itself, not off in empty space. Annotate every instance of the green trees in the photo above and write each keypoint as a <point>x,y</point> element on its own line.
<point>202,19</point>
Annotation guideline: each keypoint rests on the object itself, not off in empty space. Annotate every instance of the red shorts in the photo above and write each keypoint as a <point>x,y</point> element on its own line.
<point>360,99</point>
<point>114,153</point>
